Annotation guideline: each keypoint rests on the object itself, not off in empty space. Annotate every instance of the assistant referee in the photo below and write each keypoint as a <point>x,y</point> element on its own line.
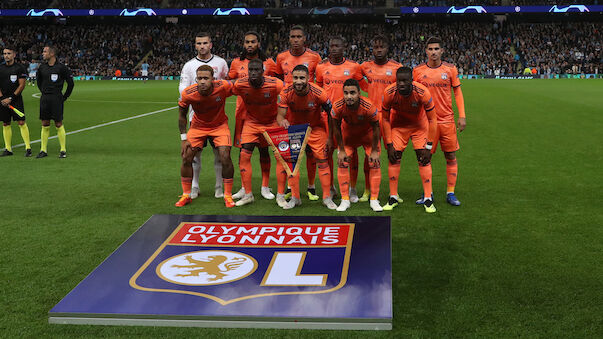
<point>51,77</point>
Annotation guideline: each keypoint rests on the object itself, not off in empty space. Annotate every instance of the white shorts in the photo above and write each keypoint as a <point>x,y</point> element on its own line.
<point>145,73</point>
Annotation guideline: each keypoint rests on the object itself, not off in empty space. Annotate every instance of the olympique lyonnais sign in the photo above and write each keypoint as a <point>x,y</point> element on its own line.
<point>235,271</point>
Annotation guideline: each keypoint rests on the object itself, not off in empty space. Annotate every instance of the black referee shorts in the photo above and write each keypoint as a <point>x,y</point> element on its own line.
<point>6,114</point>
<point>51,107</point>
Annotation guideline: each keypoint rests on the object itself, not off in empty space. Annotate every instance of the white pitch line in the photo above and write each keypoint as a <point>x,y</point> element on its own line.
<point>104,124</point>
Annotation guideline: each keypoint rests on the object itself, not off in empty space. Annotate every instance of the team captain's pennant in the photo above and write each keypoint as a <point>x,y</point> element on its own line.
<point>289,145</point>
<point>228,262</point>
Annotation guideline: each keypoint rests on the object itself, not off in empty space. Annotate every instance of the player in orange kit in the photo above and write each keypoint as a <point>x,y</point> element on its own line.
<point>302,103</point>
<point>378,73</point>
<point>408,114</point>
<point>356,124</point>
<point>440,76</point>
<point>330,75</point>
<point>207,98</point>
<point>238,69</point>
<point>298,54</point>
<point>259,95</point>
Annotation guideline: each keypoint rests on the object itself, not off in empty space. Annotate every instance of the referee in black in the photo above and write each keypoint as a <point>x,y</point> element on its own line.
<point>51,77</point>
<point>12,82</point>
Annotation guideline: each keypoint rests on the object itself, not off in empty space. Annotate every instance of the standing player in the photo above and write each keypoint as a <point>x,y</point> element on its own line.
<point>12,83</point>
<point>301,103</point>
<point>145,71</point>
<point>408,114</point>
<point>203,46</point>
<point>440,77</point>
<point>51,77</point>
<point>208,98</point>
<point>238,69</point>
<point>298,54</point>
<point>259,94</point>
<point>330,75</point>
<point>32,69</point>
<point>379,73</point>
<point>355,124</point>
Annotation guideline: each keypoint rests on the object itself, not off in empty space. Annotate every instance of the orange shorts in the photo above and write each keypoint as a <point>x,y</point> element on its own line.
<point>401,136</point>
<point>352,142</point>
<point>220,135</point>
<point>252,132</point>
<point>240,115</point>
<point>446,136</point>
<point>317,142</point>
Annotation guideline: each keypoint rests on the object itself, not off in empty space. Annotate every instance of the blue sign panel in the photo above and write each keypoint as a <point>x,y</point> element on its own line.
<point>502,9</point>
<point>135,12</point>
<point>223,271</point>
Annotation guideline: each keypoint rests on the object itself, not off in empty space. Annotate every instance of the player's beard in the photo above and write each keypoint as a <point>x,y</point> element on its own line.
<point>300,88</point>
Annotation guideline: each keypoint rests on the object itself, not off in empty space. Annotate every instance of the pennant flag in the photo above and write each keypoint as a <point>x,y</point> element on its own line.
<point>289,145</point>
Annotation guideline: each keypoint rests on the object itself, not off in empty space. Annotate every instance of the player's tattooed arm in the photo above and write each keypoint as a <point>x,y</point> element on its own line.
<point>182,121</point>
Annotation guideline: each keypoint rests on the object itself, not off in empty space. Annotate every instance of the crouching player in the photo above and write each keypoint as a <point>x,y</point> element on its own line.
<point>207,98</point>
<point>355,124</point>
<point>302,103</point>
<point>412,117</point>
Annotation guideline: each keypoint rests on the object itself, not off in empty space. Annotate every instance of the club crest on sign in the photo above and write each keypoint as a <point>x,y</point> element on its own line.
<point>54,77</point>
<point>295,145</point>
<point>283,146</point>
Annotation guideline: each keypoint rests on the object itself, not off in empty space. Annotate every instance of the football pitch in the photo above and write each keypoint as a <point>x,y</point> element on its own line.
<point>521,257</point>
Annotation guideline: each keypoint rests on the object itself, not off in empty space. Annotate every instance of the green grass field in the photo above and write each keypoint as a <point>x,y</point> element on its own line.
<point>522,257</point>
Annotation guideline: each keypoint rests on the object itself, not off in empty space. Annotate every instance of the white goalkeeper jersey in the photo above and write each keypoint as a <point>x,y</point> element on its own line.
<point>189,72</point>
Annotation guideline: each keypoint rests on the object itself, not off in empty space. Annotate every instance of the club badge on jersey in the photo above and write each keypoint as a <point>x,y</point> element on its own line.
<point>54,77</point>
<point>13,78</point>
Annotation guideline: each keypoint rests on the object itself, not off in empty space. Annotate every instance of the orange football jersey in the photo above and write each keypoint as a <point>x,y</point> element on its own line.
<point>239,69</point>
<point>304,109</point>
<point>285,62</point>
<point>439,81</point>
<point>408,111</point>
<point>356,122</point>
<point>332,76</point>
<point>261,103</point>
<point>378,77</point>
<point>209,110</point>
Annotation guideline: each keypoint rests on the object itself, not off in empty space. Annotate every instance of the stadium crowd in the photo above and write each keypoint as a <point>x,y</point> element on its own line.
<point>475,47</point>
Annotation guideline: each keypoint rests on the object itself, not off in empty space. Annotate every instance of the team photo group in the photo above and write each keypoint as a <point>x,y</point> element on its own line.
<point>403,104</point>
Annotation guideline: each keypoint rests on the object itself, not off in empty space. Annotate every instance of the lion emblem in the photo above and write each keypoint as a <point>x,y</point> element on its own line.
<point>210,266</point>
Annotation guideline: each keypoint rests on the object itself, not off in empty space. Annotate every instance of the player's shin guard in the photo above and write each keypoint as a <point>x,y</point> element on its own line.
<point>311,168</point>
<point>62,136</point>
<point>393,171</point>
<point>353,170</point>
<point>186,185</point>
<point>196,169</point>
<point>25,135</point>
<point>452,170</point>
<point>367,175</point>
<point>343,176</point>
<point>7,132</point>
<point>227,183</point>
<point>246,170</point>
<point>281,178</point>
<point>425,172</point>
<point>375,179</point>
<point>217,167</point>
<point>324,174</point>
<point>44,139</point>
<point>265,166</point>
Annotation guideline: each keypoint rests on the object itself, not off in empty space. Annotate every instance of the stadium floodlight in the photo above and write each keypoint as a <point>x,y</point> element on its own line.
<point>232,11</point>
<point>140,11</point>
<point>45,12</point>
<point>570,8</point>
<point>468,9</point>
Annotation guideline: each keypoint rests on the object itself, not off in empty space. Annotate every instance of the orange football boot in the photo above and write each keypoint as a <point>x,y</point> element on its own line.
<point>185,199</point>
<point>229,202</point>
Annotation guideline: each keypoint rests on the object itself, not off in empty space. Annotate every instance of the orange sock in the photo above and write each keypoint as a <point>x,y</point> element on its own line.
<point>246,170</point>
<point>227,183</point>
<point>452,170</point>
<point>375,180</point>
<point>311,168</point>
<point>367,175</point>
<point>343,175</point>
<point>265,166</point>
<point>425,172</point>
<point>186,185</point>
<point>281,178</point>
<point>331,169</point>
<point>353,169</point>
<point>294,184</point>
<point>324,174</point>
<point>393,171</point>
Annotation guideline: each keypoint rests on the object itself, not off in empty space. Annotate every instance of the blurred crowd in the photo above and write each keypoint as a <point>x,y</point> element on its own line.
<point>488,48</point>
